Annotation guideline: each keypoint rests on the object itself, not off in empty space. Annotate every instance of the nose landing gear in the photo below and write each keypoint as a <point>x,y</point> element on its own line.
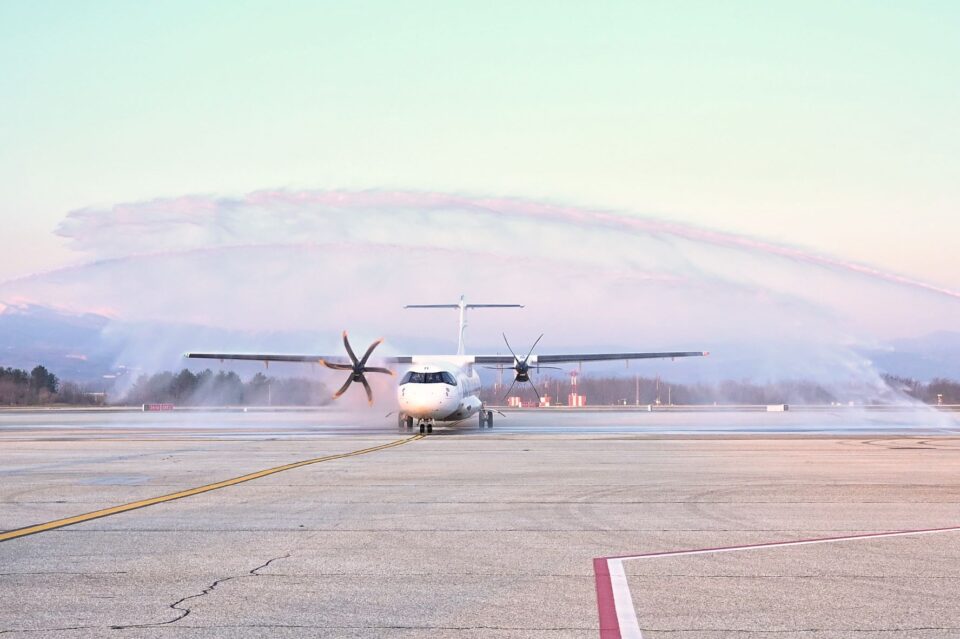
<point>426,426</point>
<point>485,417</point>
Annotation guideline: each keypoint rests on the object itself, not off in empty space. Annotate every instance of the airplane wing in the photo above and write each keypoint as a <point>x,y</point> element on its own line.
<point>478,359</point>
<point>279,357</point>
<point>586,357</point>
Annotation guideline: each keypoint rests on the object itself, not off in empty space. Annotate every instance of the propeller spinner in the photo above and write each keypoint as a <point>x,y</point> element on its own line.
<point>358,368</point>
<point>521,368</point>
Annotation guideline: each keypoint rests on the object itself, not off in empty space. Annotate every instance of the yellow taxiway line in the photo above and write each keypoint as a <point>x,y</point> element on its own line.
<point>143,503</point>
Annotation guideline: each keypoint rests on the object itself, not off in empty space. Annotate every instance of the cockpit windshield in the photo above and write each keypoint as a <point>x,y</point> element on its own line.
<point>440,377</point>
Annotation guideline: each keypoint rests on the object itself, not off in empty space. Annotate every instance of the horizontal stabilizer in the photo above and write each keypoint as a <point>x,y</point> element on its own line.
<point>464,306</point>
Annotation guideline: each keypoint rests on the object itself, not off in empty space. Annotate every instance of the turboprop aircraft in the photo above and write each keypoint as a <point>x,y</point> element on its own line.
<point>441,388</point>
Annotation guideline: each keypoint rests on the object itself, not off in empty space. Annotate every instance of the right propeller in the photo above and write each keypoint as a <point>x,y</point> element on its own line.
<point>357,368</point>
<point>521,367</point>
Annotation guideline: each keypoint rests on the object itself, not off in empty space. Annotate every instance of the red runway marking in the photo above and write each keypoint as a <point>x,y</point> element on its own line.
<point>609,625</point>
<point>606,599</point>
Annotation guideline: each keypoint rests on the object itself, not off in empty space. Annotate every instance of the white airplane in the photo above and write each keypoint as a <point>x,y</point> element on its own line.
<point>441,388</point>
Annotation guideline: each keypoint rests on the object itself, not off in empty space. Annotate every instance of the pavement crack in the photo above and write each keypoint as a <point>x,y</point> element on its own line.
<point>255,571</point>
<point>184,611</point>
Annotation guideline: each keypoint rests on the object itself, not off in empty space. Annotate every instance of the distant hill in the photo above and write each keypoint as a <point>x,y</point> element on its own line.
<point>70,345</point>
<point>923,358</point>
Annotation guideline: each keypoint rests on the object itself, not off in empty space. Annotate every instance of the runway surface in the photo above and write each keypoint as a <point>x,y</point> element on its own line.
<point>327,422</point>
<point>470,533</point>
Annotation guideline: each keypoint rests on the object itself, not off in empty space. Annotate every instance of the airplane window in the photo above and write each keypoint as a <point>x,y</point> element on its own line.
<point>441,377</point>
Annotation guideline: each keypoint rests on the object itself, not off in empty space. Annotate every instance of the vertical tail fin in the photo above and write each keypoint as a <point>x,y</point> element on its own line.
<point>463,306</point>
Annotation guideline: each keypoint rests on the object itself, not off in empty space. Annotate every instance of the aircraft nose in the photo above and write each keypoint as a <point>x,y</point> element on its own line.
<point>427,400</point>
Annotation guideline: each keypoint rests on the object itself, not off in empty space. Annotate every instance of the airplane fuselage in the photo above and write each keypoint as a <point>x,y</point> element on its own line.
<point>443,390</point>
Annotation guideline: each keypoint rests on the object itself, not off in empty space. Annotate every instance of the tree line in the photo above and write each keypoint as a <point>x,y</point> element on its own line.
<point>20,388</point>
<point>606,391</point>
<point>937,390</point>
<point>223,388</point>
<point>39,386</point>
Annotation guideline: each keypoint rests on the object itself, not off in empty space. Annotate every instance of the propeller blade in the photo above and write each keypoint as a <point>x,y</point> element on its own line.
<point>366,356</point>
<point>534,387</point>
<point>366,387</point>
<point>346,343</point>
<point>530,352</point>
<point>343,389</point>
<point>337,367</point>
<point>376,369</point>
<point>507,394</point>
<point>509,348</point>
<point>553,368</point>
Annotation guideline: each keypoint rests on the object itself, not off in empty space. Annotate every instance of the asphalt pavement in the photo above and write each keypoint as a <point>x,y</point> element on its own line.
<point>471,533</point>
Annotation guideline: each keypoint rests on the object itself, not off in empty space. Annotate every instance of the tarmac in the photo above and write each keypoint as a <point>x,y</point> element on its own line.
<point>468,533</point>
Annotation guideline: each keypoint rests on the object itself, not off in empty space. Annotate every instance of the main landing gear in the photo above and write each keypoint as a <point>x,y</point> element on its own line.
<point>485,417</point>
<point>405,422</point>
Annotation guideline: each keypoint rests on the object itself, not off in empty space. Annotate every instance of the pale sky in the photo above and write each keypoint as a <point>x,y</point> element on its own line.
<point>834,126</point>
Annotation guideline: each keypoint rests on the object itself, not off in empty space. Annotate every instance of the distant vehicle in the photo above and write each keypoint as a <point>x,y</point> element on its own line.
<point>441,388</point>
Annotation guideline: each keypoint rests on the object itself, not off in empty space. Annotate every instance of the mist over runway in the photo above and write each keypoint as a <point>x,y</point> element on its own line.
<point>301,423</point>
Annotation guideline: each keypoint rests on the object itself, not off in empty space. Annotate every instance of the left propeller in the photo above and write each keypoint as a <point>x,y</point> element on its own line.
<point>358,368</point>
